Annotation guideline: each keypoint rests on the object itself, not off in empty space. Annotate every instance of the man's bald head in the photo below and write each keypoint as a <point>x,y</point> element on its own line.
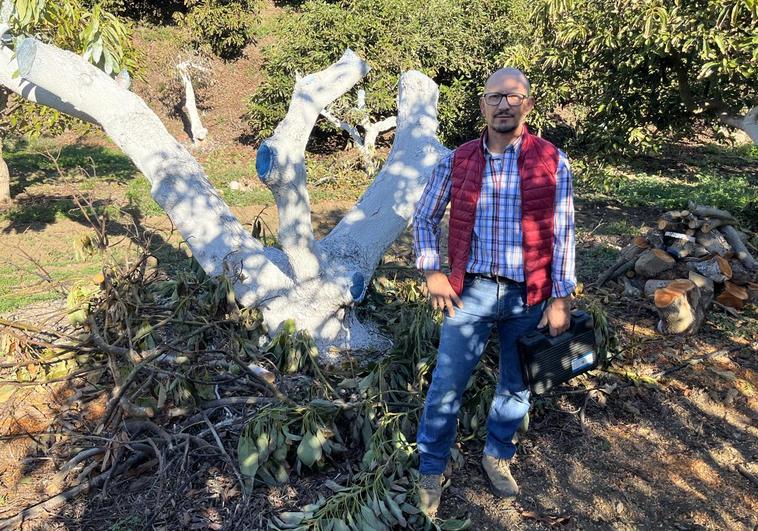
<point>508,73</point>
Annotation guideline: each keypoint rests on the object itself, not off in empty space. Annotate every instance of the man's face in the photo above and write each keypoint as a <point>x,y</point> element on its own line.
<point>505,116</point>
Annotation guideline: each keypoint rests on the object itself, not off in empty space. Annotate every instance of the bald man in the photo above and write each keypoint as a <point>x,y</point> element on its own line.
<point>511,260</point>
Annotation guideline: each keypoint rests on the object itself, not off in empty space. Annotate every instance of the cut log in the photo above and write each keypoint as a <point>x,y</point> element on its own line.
<point>713,224</point>
<point>717,268</point>
<point>671,218</point>
<point>703,211</point>
<point>626,259</point>
<point>653,262</point>
<point>714,242</point>
<point>679,308</point>
<point>705,285</point>
<point>652,285</point>
<point>733,296</point>
<point>699,251</point>
<point>655,239</point>
<point>732,236</point>
<point>678,244</point>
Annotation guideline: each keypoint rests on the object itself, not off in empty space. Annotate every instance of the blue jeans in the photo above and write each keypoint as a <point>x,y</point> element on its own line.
<point>486,303</point>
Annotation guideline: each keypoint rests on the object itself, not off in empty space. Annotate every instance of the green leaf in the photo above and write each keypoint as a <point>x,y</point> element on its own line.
<point>309,450</point>
<point>455,525</point>
<point>247,454</point>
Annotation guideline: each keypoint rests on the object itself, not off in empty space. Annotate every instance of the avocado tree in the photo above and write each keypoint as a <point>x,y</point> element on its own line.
<point>315,282</point>
<point>653,65</point>
<point>100,38</point>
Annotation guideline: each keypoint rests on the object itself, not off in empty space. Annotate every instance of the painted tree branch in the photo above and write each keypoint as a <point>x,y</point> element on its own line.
<point>197,130</point>
<point>281,159</point>
<point>218,240</point>
<point>748,123</point>
<point>366,144</point>
<point>389,203</point>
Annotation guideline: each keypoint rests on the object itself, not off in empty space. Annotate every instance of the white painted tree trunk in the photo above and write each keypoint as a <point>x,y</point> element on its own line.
<point>316,283</point>
<point>748,123</point>
<point>198,132</point>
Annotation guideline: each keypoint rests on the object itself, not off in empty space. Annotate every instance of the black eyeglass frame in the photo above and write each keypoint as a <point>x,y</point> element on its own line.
<point>514,99</point>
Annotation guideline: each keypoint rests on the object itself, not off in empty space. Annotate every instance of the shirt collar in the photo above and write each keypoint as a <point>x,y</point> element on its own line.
<point>514,147</point>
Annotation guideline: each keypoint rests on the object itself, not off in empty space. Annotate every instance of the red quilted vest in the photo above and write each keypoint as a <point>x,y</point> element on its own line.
<point>537,167</point>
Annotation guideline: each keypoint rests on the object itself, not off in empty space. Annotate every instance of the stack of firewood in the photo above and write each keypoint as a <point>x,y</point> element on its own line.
<point>693,258</point>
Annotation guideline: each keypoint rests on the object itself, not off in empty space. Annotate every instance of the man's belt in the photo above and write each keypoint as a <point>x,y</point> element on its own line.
<point>495,278</point>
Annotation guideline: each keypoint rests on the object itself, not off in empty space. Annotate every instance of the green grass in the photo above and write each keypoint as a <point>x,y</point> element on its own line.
<point>720,178</point>
<point>29,164</point>
<point>22,288</point>
<point>618,228</point>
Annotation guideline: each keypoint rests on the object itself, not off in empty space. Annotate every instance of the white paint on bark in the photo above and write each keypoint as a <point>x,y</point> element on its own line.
<point>197,130</point>
<point>314,283</point>
<point>748,123</point>
<point>284,172</point>
<point>384,211</point>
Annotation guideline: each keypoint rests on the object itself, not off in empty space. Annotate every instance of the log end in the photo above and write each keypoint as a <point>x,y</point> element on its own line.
<point>26,54</point>
<point>264,161</point>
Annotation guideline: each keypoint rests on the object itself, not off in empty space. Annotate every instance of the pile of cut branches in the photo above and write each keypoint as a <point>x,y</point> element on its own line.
<point>190,388</point>
<point>692,258</point>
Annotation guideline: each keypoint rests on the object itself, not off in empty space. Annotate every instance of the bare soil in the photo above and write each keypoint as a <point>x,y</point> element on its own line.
<point>676,454</point>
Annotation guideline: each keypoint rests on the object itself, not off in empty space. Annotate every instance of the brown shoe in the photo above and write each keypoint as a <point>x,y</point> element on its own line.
<point>498,471</point>
<point>429,493</point>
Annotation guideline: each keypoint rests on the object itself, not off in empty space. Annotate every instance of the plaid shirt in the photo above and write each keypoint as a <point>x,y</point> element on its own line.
<point>496,247</point>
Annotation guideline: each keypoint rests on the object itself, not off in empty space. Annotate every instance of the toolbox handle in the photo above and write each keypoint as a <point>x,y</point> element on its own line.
<point>545,330</point>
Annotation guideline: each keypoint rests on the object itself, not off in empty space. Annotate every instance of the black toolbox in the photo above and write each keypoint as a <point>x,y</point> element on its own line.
<point>549,361</point>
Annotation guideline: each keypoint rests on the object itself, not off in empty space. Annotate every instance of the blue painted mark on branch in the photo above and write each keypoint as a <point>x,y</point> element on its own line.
<point>263,161</point>
<point>357,288</point>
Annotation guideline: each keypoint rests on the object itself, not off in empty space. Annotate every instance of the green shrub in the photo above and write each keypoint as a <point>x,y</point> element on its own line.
<point>225,27</point>
<point>456,43</point>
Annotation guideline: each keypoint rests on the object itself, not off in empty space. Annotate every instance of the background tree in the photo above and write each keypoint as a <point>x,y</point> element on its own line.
<point>457,44</point>
<point>223,27</point>
<point>650,66</point>
<point>100,37</point>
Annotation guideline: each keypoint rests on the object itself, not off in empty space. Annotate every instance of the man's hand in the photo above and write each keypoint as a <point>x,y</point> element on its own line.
<point>442,293</point>
<point>557,315</point>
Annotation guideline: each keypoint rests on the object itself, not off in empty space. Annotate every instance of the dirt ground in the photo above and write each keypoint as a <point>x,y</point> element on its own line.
<point>679,453</point>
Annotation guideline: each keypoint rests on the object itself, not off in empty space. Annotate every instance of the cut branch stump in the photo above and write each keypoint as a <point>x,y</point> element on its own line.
<point>679,308</point>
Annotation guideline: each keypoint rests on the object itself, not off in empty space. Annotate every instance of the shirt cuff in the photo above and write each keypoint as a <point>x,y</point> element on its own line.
<point>428,261</point>
<point>563,289</point>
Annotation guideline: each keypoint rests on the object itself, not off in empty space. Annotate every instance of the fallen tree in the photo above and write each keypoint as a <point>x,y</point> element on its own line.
<point>314,282</point>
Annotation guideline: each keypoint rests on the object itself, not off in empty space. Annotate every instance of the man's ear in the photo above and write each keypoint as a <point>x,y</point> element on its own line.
<point>529,102</point>
<point>481,105</point>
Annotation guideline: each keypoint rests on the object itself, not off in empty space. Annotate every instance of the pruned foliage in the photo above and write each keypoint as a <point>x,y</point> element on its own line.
<point>176,358</point>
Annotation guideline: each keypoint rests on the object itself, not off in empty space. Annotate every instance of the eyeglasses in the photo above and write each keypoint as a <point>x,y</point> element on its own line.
<point>494,98</point>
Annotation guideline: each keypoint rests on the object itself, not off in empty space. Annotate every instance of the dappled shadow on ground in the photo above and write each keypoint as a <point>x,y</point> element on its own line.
<point>101,163</point>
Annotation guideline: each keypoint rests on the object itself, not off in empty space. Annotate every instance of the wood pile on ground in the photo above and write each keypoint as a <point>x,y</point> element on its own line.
<point>692,259</point>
